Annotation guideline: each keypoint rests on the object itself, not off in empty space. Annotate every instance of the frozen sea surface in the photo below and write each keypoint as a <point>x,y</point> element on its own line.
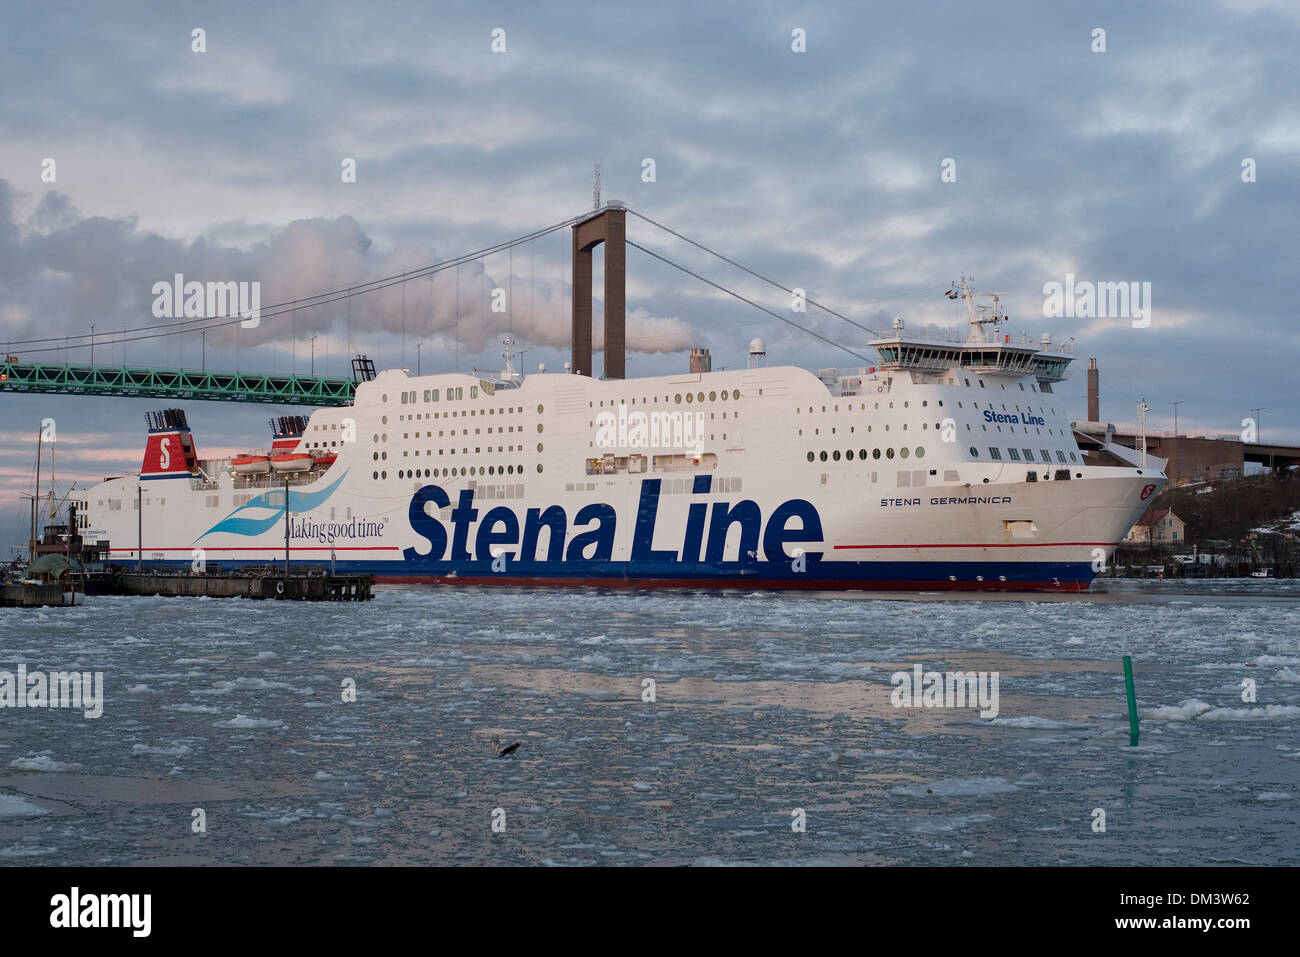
<point>768,710</point>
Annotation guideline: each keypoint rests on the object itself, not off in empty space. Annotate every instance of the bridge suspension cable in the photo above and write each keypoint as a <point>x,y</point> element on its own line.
<point>773,282</point>
<point>729,292</point>
<point>118,336</point>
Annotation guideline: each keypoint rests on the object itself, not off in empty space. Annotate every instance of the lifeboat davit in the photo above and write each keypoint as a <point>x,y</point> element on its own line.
<point>250,464</point>
<point>292,462</point>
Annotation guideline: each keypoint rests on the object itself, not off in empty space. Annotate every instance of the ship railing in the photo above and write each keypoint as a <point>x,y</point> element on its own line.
<point>274,479</point>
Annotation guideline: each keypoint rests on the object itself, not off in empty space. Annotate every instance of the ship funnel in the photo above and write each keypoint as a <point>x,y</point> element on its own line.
<point>1094,396</point>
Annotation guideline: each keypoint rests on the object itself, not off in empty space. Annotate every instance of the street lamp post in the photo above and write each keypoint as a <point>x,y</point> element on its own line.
<point>313,356</point>
<point>417,357</point>
<point>1176,405</point>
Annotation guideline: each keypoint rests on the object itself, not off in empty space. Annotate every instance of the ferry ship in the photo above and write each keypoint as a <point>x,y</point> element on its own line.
<point>947,465</point>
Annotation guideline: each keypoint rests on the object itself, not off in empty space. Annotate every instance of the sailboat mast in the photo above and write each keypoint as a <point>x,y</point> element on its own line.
<point>36,495</point>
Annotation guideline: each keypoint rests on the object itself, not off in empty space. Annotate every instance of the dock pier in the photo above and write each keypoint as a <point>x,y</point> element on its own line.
<point>271,584</point>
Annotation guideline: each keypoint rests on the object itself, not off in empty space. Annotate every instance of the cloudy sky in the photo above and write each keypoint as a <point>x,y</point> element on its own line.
<point>822,169</point>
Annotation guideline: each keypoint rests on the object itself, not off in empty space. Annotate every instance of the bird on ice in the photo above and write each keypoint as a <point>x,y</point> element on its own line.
<point>503,752</point>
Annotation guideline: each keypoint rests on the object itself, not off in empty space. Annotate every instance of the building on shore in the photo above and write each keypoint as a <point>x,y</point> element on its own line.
<point>1159,526</point>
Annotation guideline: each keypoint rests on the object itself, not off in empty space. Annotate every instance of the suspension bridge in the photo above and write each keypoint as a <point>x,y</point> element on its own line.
<point>603,225</point>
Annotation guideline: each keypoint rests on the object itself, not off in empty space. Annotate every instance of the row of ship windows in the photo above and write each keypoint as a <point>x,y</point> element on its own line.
<point>1015,454</point>
<point>511,410</point>
<point>677,399</point>
<point>449,472</point>
<point>994,453</point>
<point>464,470</point>
<point>453,394</point>
<point>1042,410</point>
<point>456,414</point>
<point>478,449</point>
<point>380,437</point>
<point>848,454</point>
<point>214,501</point>
<point>937,427</point>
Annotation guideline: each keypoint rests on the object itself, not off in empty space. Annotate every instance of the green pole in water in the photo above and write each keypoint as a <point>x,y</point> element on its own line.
<point>1132,703</point>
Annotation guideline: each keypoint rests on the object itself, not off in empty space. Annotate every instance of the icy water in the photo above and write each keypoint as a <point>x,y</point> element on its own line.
<point>765,705</point>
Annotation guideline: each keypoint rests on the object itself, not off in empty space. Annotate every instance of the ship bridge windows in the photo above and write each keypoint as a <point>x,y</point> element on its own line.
<point>995,454</point>
<point>1014,453</point>
<point>1060,456</point>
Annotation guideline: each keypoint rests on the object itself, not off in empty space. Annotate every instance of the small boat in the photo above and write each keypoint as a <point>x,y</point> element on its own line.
<point>250,464</point>
<point>325,459</point>
<point>292,462</point>
<point>1262,573</point>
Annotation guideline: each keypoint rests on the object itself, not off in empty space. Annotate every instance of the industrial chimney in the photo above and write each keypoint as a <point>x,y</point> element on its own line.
<point>701,361</point>
<point>1094,402</point>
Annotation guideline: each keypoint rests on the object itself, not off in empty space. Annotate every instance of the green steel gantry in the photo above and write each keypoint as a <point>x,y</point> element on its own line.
<point>175,384</point>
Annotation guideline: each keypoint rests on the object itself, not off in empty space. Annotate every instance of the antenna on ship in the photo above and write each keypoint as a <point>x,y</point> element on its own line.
<point>595,192</point>
<point>1143,409</point>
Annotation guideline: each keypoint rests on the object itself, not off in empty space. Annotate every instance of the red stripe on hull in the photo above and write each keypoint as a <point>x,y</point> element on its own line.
<point>761,584</point>
<point>991,545</point>
<point>277,551</point>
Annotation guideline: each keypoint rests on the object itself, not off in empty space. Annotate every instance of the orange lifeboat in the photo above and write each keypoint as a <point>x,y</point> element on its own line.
<point>292,462</point>
<point>250,464</point>
<point>325,459</point>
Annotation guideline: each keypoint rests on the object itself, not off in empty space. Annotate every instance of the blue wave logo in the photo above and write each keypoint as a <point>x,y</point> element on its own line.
<point>274,500</point>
